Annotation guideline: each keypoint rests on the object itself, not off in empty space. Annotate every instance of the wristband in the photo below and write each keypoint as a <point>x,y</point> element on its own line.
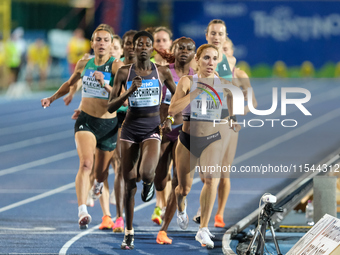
<point>232,118</point>
<point>171,118</point>
<point>103,85</point>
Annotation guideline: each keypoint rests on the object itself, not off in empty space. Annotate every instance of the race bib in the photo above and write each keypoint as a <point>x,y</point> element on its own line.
<point>212,109</point>
<point>145,96</point>
<point>92,88</point>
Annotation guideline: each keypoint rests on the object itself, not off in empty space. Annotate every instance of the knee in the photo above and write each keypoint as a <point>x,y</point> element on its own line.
<point>130,187</point>
<point>159,186</point>
<point>86,166</point>
<point>211,182</point>
<point>147,177</point>
<point>183,190</point>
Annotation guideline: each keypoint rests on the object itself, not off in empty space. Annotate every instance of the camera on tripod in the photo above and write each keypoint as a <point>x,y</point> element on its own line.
<point>269,199</point>
<point>264,221</point>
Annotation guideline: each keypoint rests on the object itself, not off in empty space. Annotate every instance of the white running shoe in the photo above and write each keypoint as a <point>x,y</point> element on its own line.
<point>84,220</point>
<point>113,198</point>
<point>97,189</point>
<point>182,217</point>
<point>203,236</point>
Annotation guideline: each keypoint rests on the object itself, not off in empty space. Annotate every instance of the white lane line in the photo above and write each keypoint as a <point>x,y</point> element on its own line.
<point>67,245</point>
<point>36,140</point>
<point>296,132</point>
<point>27,191</point>
<point>35,125</point>
<point>28,229</point>
<point>35,198</point>
<point>39,162</point>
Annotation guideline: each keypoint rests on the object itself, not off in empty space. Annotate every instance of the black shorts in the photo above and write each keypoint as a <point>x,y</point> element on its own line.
<point>121,117</point>
<point>198,143</point>
<point>139,129</point>
<point>105,130</point>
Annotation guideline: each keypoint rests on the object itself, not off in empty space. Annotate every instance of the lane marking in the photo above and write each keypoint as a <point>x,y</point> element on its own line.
<point>67,245</point>
<point>39,162</point>
<point>28,229</point>
<point>35,198</point>
<point>35,125</point>
<point>36,140</point>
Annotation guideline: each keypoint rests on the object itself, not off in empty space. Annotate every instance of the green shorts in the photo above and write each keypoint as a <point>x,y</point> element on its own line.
<point>105,130</point>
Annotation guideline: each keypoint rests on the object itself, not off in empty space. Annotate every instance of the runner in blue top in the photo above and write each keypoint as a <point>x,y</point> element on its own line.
<point>95,128</point>
<point>143,85</point>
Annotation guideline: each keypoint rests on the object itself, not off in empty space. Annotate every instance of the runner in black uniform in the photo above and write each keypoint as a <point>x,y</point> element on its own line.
<point>143,85</point>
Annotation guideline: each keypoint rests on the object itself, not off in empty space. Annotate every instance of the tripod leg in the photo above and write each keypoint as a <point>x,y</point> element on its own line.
<point>252,242</point>
<point>274,238</point>
<point>261,242</point>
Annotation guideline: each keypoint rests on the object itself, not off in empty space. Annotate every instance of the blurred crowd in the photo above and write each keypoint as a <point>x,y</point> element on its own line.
<point>29,62</point>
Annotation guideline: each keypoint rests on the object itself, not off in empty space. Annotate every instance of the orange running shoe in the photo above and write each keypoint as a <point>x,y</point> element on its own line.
<point>219,223</point>
<point>107,223</point>
<point>162,238</point>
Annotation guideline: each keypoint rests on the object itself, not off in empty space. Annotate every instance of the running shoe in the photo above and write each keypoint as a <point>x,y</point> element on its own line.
<point>89,200</point>
<point>156,216</point>
<point>197,217</point>
<point>113,198</point>
<point>119,225</point>
<point>219,223</point>
<point>148,191</point>
<point>162,238</point>
<point>204,237</point>
<point>127,243</point>
<point>97,189</point>
<point>182,217</point>
<point>107,223</point>
<point>84,220</point>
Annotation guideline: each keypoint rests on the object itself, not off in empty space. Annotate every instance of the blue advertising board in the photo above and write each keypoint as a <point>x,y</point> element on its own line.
<point>267,31</point>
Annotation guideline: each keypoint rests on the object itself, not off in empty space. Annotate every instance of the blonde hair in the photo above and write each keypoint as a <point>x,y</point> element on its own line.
<point>104,27</point>
<point>230,41</point>
<point>203,47</point>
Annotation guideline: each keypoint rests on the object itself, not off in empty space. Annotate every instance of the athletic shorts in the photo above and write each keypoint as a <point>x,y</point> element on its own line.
<point>198,143</point>
<point>173,135</point>
<point>105,130</point>
<point>139,129</point>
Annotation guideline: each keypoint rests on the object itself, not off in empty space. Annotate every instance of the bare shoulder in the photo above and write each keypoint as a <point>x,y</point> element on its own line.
<point>231,60</point>
<point>81,65</point>
<point>116,65</point>
<point>240,73</point>
<point>186,80</point>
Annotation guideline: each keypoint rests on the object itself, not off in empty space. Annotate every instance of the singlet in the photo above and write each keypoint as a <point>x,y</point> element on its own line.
<point>194,110</point>
<point>166,95</point>
<point>224,71</point>
<point>145,99</point>
<point>91,87</point>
